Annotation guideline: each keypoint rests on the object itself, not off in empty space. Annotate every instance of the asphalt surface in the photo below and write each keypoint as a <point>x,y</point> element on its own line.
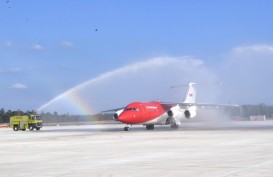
<point>197,149</point>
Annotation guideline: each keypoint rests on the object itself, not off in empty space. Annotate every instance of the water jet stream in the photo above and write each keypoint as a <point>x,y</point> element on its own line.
<point>142,81</point>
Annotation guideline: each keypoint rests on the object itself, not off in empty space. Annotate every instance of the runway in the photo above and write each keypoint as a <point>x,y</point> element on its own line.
<point>197,149</point>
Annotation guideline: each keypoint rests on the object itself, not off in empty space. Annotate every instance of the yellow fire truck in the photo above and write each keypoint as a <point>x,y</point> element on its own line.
<point>26,122</point>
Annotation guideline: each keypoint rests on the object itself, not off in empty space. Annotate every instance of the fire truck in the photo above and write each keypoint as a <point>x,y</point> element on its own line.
<point>24,122</point>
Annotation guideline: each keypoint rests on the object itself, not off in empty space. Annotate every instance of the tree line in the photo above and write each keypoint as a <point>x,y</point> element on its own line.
<point>5,115</point>
<point>243,111</point>
<point>252,110</point>
<point>53,117</point>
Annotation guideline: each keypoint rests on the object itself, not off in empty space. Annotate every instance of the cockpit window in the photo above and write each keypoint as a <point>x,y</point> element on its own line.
<point>37,118</point>
<point>131,109</point>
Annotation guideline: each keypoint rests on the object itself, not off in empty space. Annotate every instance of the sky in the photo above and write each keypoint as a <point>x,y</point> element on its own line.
<point>86,56</point>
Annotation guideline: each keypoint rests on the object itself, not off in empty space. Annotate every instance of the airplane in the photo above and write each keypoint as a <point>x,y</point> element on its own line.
<point>154,113</point>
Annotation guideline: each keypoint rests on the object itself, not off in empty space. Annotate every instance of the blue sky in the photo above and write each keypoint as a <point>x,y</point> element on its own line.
<point>49,47</point>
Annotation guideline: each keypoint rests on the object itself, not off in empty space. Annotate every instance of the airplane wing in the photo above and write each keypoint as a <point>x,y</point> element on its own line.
<point>112,110</point>
<point>215,105</point>
<point>199,105</point>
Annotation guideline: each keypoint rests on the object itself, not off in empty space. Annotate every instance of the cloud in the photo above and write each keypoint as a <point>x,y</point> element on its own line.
<point>67,44</point>
<point>37,47</point>
<point>19,86</point>
<point>261,48</point>
<point>247,72</point>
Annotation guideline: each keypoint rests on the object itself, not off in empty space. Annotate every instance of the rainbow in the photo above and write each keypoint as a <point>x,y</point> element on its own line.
<point>72,101</point>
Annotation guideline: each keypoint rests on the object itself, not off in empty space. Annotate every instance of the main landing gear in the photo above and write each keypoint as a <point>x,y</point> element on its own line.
<point>150,127</point>
<point>174,125</point>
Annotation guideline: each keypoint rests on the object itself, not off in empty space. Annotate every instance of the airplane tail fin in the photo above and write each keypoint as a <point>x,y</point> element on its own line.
<point>190,96</point>
<point>191,93</point>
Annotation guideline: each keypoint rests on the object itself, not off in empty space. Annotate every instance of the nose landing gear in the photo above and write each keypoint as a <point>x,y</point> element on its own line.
<point>126,128</point>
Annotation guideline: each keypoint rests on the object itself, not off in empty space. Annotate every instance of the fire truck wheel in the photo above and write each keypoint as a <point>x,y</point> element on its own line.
<point>31,127</point>
<point>15,127</point>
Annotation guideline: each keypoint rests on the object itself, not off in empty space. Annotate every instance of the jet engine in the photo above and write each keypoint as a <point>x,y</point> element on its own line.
<point>177,112</point>
<point>115,117</point>
<point>174,116</point>
<point>170,113</point>
<point>190,112</point>
<point>187,114</point>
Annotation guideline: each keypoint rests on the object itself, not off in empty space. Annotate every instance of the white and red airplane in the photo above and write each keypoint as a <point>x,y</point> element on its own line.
<point>159,113</point>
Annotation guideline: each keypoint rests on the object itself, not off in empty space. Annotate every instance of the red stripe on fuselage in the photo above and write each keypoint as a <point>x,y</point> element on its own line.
<point>140,112</point>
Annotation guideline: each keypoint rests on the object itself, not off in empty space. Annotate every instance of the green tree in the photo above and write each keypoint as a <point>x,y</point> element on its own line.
<point>2,114</point>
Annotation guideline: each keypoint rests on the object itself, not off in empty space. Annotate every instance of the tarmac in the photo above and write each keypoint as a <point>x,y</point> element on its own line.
<point>197,149</point>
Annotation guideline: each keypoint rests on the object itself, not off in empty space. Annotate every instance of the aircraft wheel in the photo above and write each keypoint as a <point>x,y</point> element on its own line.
<point>126,129</point>
<point>150,127</point>
<point>174,126</point>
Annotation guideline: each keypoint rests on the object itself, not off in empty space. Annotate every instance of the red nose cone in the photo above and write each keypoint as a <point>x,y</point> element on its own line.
<point>126,117</point>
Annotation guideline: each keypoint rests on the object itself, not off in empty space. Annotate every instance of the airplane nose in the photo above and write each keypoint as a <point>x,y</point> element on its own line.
<point>121,118</point>
<point>125,118</point>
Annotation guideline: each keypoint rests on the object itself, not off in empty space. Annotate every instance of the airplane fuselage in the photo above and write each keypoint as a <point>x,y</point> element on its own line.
<point>144,113</point>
